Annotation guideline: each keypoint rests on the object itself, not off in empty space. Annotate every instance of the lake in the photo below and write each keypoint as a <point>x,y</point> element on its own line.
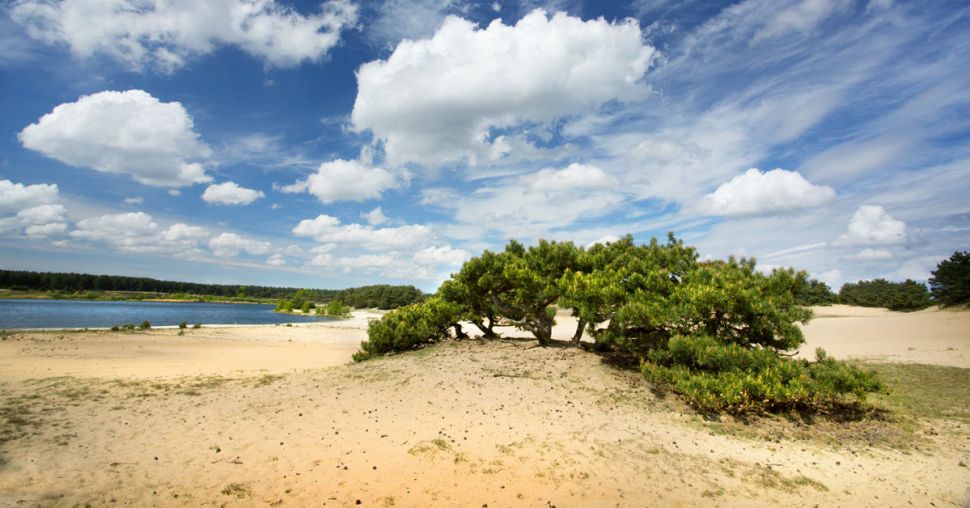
<point>98,314</point>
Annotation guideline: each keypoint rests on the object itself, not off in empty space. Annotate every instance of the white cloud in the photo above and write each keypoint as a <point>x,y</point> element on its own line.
<point>871,225</point>
<point>327,229</point>
<point>134,201</point>
<point>434,100</point>
<point>343,180</point>
<point>276,260</point>
<point>834,278</point>
<point>230,244</point>
<point>374,217</point>
<point>603,240</point>
<point>446,255</point>
<point>574,177</point>
<point>802,17</point>
<point>229,193</point>
<point>873,255</point>
<point>16,196</point>
<point>164,34</point>
<point>757,193</point>
<point>127,132</point>
<point>37,222</point>
<point>533,204</point>
<point>115,228</point>
<point>46,230</point>
<point>181,232</point>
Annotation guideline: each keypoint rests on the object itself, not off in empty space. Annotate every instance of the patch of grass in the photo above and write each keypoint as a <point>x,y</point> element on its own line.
<point>267,379</point>
<point>237,490</point>
<point>924,391</point>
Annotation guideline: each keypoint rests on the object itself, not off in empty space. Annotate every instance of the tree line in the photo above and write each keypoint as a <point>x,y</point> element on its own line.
<point>381,296</point>
<point>720,333</point>
<point>949,286</point>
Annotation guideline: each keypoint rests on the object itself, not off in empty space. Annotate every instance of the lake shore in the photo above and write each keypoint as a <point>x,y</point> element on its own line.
<point>276,415</point>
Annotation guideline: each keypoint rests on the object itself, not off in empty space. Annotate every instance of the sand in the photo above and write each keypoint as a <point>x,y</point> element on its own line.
<point>256,416</point>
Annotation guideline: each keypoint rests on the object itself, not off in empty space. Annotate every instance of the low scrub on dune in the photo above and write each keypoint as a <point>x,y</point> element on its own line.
<point>715,332</point>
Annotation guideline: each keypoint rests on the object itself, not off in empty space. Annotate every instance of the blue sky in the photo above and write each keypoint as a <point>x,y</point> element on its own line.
<point>344,143</point>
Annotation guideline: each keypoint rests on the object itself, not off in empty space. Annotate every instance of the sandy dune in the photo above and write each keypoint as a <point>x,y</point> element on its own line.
<point>266,416</point>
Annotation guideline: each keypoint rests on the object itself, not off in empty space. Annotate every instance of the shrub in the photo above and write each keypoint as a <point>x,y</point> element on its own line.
<point>335,308</point>
<point>145,325</point>
<point>410,327</point>
<point>183,325</point>
<point>713,376</point>
<point>950,283</point>
<point>197,326</point>
<point>305,308</point>
<point>115,328</point>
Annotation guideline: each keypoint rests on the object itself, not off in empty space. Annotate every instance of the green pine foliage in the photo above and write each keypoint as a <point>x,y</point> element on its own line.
<point>815,292</point>
<point>950,284</point>
<point>714,376</point>
<point>908,295</point>
<point>410,327</point>
<point>713,331</point>
<point>334,308</point>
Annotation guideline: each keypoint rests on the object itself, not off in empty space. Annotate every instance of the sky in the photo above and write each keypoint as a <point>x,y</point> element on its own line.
<point>344,143</point>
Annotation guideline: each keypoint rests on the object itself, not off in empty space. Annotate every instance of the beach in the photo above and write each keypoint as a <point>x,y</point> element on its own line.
<point>278,416</point>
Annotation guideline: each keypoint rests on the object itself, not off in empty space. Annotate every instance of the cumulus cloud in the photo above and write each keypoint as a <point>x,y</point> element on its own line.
<point>446,255</point>
<point>435,100</point>
<point>116,228</point>
<point>231,244</point>
<point>757,193</point>
<point>229,193</point>
<point>17,196</point>
<point>871,225</point>
<point>163,34</point>
<point>375,217</point>
<point>135,200</point>
<point>276,260</point>
<point>37,222</point>
<point>327,229</point>
<point>127,132</point>
<point>181,232</point>
<point>343,180</point>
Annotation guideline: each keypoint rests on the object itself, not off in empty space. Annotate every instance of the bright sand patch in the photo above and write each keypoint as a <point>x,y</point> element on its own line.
<point>934,336</point>
<point>244,417</point>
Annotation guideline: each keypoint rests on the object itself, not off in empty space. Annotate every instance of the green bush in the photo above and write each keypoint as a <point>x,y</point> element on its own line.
<point>115,328</point>
<point>145,325</point>
<point>335,308</point>
<point>410,327</point>
<point>713,376</point>
<point>183,325</point>
<point>305,308</point>
<point>197,326</point>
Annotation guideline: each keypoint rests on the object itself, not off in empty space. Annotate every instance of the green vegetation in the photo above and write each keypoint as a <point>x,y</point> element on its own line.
<point>925,391</point>
<point>908,295</point>
<point>950,283</point>
<point>815,292</point>
<point>713,331</point>
<point>335,308</point>
<point>145,325</point>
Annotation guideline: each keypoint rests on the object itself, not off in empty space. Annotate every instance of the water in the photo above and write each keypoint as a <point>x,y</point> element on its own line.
<point>97,314</point>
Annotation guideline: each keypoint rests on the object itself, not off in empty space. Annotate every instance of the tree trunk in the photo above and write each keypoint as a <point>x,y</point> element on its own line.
<point>487,330</point>
<point>459,332</point>
<point>578,336</point>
